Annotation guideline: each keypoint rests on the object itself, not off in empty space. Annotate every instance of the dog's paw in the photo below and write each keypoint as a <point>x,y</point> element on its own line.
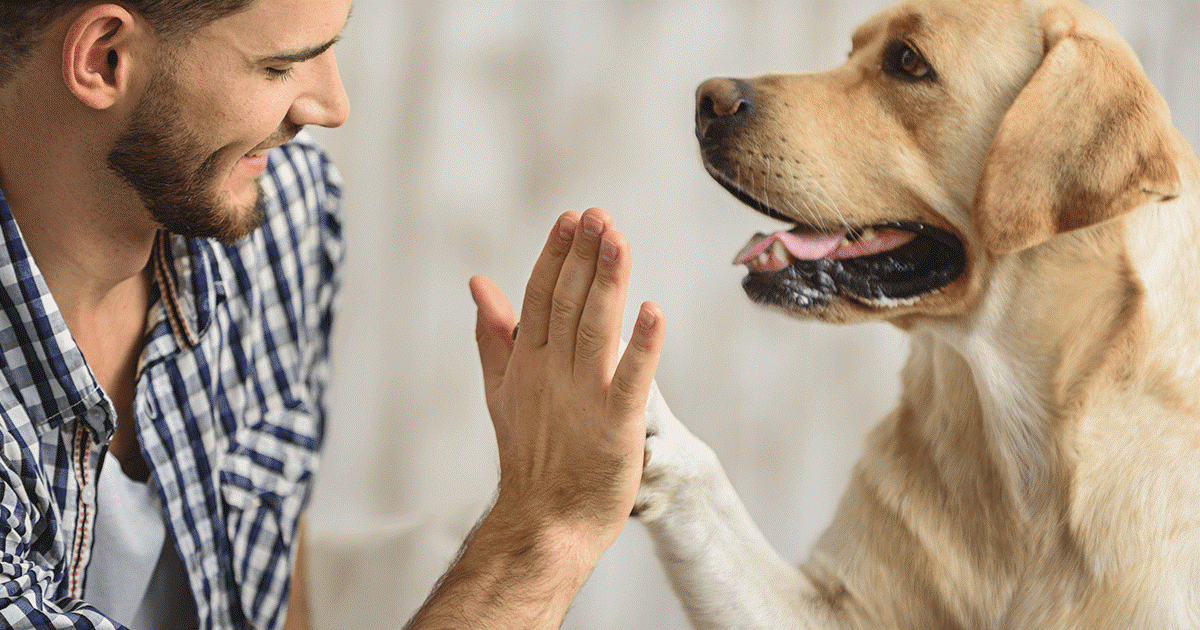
<point>677,463</point>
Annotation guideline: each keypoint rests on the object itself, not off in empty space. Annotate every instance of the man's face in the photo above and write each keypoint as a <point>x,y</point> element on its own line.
<point>197,141</point>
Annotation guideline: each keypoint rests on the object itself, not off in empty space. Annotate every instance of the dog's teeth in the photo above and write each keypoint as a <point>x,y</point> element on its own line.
<point>845,243</point>
<point>779,251</point>
<point>762,259</point>
<point>868,234</point>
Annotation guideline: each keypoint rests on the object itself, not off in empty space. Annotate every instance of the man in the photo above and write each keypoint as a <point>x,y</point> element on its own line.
<point>166,286</point>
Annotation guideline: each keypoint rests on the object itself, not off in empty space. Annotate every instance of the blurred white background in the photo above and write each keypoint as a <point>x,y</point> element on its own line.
<point>473,126</point>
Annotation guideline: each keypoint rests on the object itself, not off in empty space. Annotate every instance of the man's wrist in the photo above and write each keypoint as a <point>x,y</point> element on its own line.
<point>515,571</point>
<point>534,550</point>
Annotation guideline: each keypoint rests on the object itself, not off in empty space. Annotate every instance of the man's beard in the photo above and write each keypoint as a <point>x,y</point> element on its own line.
<point>174,175</point>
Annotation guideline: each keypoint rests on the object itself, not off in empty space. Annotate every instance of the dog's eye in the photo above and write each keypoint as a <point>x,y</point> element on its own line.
<point>912,63</point>
<point>903,59</point>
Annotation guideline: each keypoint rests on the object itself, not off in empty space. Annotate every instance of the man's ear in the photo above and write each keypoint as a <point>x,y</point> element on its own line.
<point>97,54</point>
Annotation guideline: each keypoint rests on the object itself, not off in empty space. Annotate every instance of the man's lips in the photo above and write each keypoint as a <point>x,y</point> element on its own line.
<point>262,149</point>
<point>256,159</point>
<point>279,138</point>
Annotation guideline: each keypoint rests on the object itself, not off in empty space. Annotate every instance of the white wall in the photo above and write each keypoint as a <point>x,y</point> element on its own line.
<point>473,126</point>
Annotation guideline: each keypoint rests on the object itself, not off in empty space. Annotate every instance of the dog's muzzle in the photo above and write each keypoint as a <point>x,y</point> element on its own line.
<point>881,265</point>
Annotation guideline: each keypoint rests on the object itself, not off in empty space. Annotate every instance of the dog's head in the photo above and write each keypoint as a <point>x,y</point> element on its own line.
<point>957,133</point>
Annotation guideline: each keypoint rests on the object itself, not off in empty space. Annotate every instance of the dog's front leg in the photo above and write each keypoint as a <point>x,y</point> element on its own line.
<point>721,566</point>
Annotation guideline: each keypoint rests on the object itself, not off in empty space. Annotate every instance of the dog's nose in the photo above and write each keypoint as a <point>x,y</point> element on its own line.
<point>726,100</point>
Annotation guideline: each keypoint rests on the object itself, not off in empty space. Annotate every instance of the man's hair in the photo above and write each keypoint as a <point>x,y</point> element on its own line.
<point>24,22</point>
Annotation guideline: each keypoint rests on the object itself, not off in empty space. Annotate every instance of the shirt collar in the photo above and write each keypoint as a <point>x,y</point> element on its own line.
<point>188,290</point>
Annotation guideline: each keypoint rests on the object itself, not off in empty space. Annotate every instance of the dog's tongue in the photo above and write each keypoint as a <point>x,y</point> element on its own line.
<point>802,247</point>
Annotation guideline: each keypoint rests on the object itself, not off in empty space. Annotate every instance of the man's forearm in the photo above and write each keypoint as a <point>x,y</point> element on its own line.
<point>506,578</point>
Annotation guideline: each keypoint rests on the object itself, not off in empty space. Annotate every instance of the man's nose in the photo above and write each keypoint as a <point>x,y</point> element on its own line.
<point>325,102</point>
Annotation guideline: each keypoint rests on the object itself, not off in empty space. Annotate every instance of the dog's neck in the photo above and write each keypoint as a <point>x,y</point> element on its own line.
<point>1163,244</point>
<point>1101,318</point>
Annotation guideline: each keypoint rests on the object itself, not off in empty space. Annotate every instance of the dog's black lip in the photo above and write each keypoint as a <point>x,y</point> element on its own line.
<point>932,260</point>
<point>742,195</point>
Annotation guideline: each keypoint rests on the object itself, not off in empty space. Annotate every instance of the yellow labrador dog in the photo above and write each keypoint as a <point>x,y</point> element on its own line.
<point>1000,180</point>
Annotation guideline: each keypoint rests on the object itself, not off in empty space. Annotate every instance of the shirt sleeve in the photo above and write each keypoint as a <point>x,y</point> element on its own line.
<point>28,540</point>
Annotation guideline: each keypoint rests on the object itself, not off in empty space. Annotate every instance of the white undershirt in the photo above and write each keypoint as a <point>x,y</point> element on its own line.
<point>135,575</point>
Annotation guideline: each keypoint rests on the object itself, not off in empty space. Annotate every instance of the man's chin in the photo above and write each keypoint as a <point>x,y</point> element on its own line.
<point>240,219</point>
<point>229,220</point>
<point>241,208</point>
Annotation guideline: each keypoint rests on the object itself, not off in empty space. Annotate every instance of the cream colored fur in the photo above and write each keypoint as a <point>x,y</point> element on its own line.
<point>1042,469</point>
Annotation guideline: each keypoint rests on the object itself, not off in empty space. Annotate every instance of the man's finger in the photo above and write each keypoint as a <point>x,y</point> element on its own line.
<point>631,381</point>
<point>494,325</point>
<point>539,292</point>
<point>599,333</point>
<point>574,283</point>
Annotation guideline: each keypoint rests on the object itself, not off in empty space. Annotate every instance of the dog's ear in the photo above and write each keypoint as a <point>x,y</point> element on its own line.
<point>1087,139</point>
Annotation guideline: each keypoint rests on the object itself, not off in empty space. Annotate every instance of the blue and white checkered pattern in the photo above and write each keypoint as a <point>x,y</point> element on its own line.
<point>229,407</point>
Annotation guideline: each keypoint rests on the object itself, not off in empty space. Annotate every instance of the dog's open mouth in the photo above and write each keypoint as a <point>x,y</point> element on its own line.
<point>888,264</point>
<point>883,265</point>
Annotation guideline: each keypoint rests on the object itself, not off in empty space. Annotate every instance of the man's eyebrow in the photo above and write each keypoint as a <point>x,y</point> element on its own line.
<point>302,55</point>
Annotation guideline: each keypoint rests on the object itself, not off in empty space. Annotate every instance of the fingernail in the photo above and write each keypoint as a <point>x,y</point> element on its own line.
<point>592,226</point>
<point>646,319</point>
<point>608,252</point>
<point>566,228</point>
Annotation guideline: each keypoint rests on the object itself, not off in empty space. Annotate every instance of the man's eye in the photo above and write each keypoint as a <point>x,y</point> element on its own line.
<point>279,73</point>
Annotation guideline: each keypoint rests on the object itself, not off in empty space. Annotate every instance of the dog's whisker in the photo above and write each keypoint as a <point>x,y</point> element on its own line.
<point>834,206</point>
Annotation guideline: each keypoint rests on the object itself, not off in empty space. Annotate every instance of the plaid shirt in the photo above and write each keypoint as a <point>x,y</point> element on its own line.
<point>229,409</point>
